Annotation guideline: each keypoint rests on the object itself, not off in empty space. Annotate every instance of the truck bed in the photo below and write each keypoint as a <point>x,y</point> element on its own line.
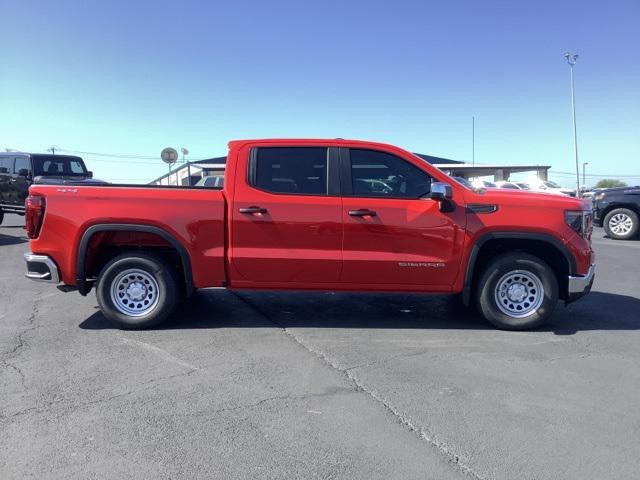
<point>193,216</point>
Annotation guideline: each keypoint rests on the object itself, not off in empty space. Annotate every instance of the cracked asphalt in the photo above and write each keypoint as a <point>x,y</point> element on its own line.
<point>319,385</point>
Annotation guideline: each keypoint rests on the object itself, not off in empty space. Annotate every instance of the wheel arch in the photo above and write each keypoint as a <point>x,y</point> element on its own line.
<point>544,246</point>
<point>84,287</point>
<point>631,206</point>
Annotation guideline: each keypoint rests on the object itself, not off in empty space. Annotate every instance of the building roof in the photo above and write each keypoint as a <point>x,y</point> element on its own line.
<point>437,160</point>
<point>485,170</point>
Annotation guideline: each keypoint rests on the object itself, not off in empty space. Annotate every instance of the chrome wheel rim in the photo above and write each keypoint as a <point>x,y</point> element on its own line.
<point>519,293</point>
<point>134,292</point>
<point>620,224</point>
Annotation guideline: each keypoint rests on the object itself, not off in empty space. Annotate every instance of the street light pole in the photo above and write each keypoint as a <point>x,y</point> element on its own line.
<point>584,173</point>
<point>473,141</point>
<point>571,60</point>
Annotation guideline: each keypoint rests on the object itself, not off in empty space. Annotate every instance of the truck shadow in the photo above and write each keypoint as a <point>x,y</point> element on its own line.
<point>11,240</point>
<point>220,309</point>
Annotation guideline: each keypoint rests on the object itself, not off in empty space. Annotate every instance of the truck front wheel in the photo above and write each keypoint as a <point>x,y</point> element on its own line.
<point>517,291</point>
<point>136,291</point>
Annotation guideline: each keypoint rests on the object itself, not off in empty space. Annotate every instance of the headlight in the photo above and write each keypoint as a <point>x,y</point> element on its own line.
<point>579,220</point>
<point>598,196</point>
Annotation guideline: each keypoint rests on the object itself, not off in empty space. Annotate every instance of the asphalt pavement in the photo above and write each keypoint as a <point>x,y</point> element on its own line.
<point>319,385</point>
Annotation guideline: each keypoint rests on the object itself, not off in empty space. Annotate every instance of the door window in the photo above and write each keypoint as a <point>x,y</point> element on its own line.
<point>5,165</point>
<point>380,174</point>
<point>21,163</point>
<point>291,170</point>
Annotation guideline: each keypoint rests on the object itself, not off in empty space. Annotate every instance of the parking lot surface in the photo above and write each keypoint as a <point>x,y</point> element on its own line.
<point>319,385</point>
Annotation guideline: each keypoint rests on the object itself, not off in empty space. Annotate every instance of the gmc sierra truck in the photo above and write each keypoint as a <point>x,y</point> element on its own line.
<point>312,215</point>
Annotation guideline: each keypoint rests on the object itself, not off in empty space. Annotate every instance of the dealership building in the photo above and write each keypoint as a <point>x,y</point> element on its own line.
<point>189,173</point>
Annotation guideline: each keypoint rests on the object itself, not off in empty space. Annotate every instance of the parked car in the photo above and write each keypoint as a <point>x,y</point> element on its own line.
<point>309,215</point>
<point>483,183</point>
<point>618,210</point>
<point>463,181</point>
<point>19,170</point>
<point>548,186</point>
<point>511,185</point>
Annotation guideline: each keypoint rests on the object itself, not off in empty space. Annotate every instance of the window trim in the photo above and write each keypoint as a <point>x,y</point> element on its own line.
<point>333,179</point>
<point>347,180</point>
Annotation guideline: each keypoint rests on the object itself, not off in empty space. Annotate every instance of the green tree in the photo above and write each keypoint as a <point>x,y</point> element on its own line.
<point>610,183</point>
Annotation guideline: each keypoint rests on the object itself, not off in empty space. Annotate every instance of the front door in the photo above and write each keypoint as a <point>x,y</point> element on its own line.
<point>286,217</point>
<point>6,167</point>
<point>393,235</point>
<point>22,174</point>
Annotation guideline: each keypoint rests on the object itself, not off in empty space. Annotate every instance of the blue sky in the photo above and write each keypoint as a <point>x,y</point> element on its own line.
<point>133,77</point>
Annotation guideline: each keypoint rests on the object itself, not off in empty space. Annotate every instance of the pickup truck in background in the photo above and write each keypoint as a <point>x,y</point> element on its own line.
<point>618,211</point>
<point>313,215</point>
<point>19,170</point>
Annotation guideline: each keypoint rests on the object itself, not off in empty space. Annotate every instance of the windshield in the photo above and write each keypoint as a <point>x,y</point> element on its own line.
<point>551,184</point>
<point>58,165</point>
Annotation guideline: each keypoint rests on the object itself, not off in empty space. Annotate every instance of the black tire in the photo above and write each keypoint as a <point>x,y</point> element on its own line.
<point>1,216</point>
<point>147,279</point>
<point>534,291</point>
<point>616,221</point>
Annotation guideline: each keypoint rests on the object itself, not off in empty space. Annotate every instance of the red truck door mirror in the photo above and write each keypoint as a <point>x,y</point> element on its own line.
<point>440,191</point>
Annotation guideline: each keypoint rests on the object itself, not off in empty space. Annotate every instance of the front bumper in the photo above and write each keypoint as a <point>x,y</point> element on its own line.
<point>579,286</point>
<point>41,268</point>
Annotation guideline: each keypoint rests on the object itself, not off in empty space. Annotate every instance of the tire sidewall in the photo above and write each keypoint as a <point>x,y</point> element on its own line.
<point>631,214</point>
<point>501,266</point>
<point>167,290</point>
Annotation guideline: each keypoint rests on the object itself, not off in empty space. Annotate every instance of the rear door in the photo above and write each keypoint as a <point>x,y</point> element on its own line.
<point>286,217</point>
<point>393,234</point>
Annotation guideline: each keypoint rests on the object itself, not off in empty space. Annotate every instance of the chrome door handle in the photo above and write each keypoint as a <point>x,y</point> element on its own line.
<point>363,212</point>
<point>252,210</point>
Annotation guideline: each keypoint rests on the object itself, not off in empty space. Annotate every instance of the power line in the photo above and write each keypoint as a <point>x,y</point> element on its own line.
<point>608,175</point>
<point>120,155</point>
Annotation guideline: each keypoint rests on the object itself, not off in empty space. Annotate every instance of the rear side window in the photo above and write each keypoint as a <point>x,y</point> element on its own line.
<point>292,170</point>
<point>380,174</point>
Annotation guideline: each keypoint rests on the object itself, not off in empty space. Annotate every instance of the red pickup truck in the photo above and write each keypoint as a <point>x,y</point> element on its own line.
<point>313,215</point>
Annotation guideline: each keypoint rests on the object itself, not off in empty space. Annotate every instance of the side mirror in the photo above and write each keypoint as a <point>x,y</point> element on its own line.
<point>440,191</point>
<point>4,170</point>
<point>89,174</point>
<point>24,172</point>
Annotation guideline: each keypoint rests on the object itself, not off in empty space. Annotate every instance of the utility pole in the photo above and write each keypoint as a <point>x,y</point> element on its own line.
<point>571,60</point>
<point>473,141</point>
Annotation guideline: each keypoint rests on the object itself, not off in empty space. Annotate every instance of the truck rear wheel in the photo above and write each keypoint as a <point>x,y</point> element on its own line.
<point>621,224</point>
<point>136,290</point>
<point>517,291</point>
<point>1,215</point>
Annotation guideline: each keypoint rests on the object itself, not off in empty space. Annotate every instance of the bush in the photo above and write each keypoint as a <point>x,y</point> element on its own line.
<point>610,183</point>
